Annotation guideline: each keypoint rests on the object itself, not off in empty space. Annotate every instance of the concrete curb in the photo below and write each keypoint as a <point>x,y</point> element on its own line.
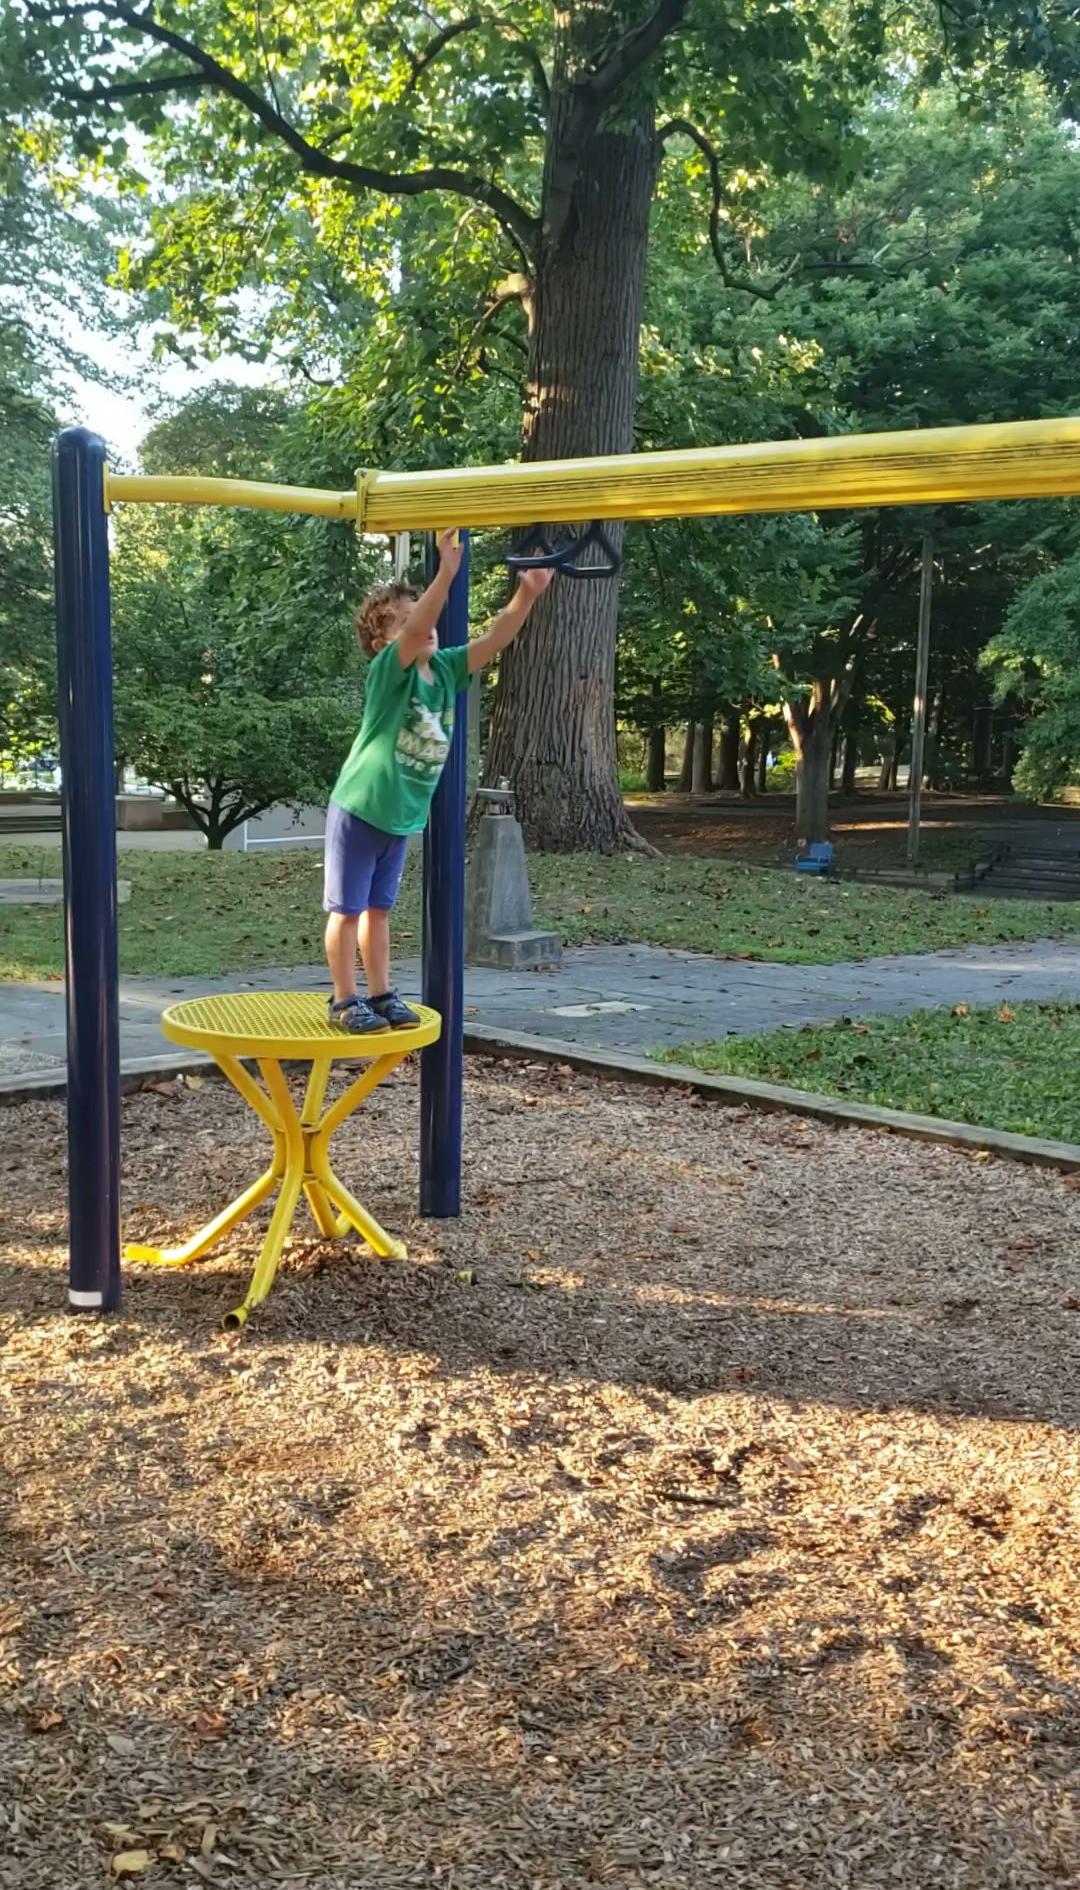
<point>47,1086</point>
<point>624,1066</point>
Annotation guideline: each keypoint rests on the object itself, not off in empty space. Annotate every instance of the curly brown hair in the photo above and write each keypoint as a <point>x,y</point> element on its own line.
<point>377,612</point>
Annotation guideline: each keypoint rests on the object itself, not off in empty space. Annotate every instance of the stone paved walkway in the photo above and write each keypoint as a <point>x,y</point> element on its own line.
<point>626,997</point>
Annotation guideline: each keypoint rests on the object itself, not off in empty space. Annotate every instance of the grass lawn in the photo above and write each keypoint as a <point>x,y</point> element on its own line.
<point>1005,1067</point>
<point>193,914</point>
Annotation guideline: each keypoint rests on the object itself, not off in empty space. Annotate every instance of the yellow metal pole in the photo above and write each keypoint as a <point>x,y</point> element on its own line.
<point>1021,459</point>
<point>191,489</point>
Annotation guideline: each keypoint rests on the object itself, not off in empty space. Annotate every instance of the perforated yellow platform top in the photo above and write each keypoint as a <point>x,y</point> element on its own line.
<point>282,1024</point>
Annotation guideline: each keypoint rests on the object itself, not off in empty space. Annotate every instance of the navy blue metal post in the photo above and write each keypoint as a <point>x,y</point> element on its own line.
<point>444,939</point>
<point>84,659</point>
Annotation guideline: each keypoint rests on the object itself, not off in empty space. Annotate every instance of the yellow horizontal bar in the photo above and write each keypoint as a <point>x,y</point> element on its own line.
<point>192,489</point>
<point>1024,459</point>
<point>1016,460</point>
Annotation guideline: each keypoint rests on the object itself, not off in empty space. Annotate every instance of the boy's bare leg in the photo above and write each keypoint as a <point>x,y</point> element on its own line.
<point>341,931</point>
<point>375,950</point>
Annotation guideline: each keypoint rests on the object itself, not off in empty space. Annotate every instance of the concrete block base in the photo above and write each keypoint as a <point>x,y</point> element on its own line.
<point>499,930</point>
<point>517,951</point>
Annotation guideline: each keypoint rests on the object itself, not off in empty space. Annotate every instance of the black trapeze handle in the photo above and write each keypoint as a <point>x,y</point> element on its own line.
<point>564,558</point>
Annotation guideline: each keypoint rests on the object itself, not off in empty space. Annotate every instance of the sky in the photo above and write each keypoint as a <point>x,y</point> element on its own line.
<point>122,418</point>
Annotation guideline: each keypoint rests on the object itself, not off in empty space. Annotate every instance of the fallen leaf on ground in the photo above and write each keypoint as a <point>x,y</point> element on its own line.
<point>130,1863</point>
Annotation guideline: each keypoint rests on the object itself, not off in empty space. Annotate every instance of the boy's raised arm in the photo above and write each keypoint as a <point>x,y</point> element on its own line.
<point>425,613</point>
<point>505,627</point>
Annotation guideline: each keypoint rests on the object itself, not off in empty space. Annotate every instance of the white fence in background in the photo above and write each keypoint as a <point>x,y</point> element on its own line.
<point>280,827</point>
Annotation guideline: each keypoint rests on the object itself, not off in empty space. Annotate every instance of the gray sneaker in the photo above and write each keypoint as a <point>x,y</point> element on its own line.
<point>355,1015</point>
<point>394,1011</point>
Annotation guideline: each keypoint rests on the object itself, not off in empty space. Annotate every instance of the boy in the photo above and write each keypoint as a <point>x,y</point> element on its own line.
<point>384,790</point>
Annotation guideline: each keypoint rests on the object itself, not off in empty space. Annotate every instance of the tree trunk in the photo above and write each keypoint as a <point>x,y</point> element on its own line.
<point>932,752</point>
<point>686,772</point>
<point>728,778</point>
<point>656,743</point>
<point>553,725</point>
<point>848,783</point>
<point>890,764</point>
<point>763,758</point>
<point>834,760</point>
<point>656,761</point>
<point>701,768</point>
<point>810,724</point>
<point>748,761</point>
<point>812,782</point>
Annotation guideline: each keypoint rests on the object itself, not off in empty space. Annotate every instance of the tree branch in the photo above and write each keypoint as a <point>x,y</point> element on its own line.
<point>589,98</point>
<point>766,292</point>
<point>516,288</point>
<point>437,45</point>
<point>634,50</point>
<point>475,22</point>
<point>135,88</point>
<point>512,215</point>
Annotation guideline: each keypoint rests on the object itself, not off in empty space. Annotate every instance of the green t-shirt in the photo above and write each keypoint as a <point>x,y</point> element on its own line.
<point>393,766</point>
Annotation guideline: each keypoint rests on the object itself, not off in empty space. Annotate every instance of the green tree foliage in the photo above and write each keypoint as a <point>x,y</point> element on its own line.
<point>355,129</point>
<point>470,195</point>
<point>939,287</point>
<point>57,243</point>
<point>43,247</point>
<point>1035,660</point>
<point>237,677</point>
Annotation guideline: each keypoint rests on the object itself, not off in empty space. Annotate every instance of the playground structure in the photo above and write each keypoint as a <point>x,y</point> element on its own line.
<point>271,1026</point>
<point>1037,459</point>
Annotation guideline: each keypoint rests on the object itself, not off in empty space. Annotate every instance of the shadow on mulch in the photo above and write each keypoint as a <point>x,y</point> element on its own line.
<point>620,1236</point>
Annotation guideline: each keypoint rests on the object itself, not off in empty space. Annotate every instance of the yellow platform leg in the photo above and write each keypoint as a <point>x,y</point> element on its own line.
<point>351,1216</point>
<point>300,1165</point>
<point>208,1236</point>
<point>321,1212</point>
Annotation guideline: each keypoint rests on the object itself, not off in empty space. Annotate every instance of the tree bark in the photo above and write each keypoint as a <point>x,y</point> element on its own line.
<point>834,760</point>
<point>656,760</point>
<point>932,753</point>
<point>553,723</point>
<point>686,772</point>
<point>848,783</point>
<point>811,724</point>
<point>728,777</point>
<point>812,781</point>
<point>656,743</point>
<point>748,760</point>
<point>701,769</point>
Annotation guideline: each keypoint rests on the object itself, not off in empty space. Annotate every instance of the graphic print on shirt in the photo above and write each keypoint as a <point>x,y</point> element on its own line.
<point>424,741</point>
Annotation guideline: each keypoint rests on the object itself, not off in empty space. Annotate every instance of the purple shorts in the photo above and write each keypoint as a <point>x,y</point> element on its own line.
<point>362,866</point>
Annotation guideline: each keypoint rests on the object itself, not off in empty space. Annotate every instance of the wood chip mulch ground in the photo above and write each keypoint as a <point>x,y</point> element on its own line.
<point>699,1510</point>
